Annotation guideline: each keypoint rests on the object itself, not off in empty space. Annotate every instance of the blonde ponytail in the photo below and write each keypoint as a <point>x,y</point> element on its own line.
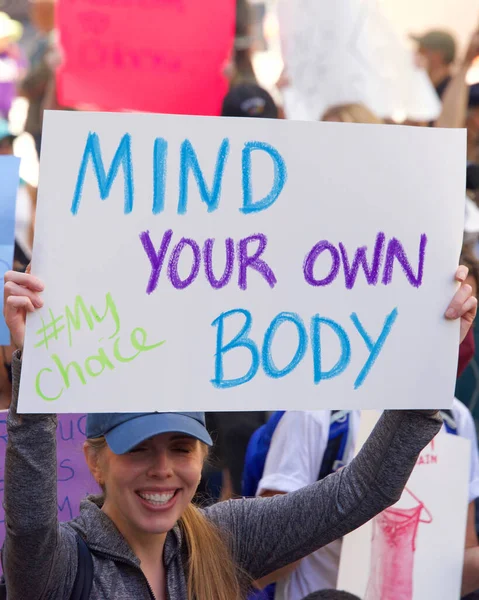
<point>212,574</point>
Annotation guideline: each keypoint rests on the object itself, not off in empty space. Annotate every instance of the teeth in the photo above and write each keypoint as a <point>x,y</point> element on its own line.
<point>157,498</point>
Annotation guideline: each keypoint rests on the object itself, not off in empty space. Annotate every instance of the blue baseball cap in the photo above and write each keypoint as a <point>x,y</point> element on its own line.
<point>124,431</point>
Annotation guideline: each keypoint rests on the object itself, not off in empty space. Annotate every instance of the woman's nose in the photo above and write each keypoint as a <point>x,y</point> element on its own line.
<point>160,466</point>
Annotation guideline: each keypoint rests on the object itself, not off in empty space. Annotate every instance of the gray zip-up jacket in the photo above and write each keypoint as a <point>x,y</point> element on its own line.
<point>40,555</point>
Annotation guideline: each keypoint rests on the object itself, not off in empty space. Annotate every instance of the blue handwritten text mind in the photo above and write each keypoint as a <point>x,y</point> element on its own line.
<point>190,168</point>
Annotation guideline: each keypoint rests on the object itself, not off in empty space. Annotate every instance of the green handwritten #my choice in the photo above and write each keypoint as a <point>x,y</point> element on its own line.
<point>92,366</point>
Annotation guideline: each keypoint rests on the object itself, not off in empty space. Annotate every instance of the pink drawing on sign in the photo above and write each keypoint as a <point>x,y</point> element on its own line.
<point>393,546</point>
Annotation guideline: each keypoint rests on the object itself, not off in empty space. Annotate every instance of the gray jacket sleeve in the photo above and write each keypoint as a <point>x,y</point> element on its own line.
<point>36,554</point>
<point>269,533</point>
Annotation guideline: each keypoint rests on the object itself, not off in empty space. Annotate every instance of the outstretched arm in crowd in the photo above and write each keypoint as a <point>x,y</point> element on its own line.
<point>456,96</point>
<point>270,533</point>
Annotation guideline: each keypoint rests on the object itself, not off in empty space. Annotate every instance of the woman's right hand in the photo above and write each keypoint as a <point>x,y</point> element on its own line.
<point>21,295</point>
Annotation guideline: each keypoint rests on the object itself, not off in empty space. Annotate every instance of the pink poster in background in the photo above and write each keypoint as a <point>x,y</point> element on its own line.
<point>73,476</point>
<point>164,56</point>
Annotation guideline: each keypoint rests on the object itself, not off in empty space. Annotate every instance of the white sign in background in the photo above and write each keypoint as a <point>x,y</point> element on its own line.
<point>349,52</point>
<point>417,549</point>
<point>345,184</point>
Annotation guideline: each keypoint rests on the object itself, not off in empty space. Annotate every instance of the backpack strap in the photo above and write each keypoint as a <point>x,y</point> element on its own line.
<point>338,439</point>
<point>84,577</point>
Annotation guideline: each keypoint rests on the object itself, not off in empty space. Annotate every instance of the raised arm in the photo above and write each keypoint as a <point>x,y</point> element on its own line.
<point>269,533</point>
<point>38,559</point>
<point>456,96</point>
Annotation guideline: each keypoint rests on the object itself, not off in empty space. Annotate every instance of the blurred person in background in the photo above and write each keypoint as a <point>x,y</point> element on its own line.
<point>249,100</point>
<point>11,63</point>
<point>239,69</point>
<point>454,90</point>
<point>457,94</point>
<point>455,97</point>
<point>35,84</point>
<point>437,49</point>
<point>472,124</point>
<point>331,595</point>
<point>472,184</point>
<point>351,113</point>
<point>222,474</point>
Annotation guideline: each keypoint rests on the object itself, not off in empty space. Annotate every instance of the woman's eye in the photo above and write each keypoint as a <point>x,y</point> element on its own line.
<point>183,449</point>
<point>137,450</point>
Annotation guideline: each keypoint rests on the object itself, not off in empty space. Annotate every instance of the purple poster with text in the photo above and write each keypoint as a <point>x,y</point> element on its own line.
<point>73,476</point>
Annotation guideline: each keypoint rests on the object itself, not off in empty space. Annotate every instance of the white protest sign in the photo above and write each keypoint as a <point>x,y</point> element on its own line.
<point>415,549</point>
<point>243,264</point>
<point>347,51</point>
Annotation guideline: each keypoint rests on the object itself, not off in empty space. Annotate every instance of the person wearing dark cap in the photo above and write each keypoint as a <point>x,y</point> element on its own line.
<point>249,100</point>
<point>145,537</point>
<point>438,49</point>
<point>35,84</point>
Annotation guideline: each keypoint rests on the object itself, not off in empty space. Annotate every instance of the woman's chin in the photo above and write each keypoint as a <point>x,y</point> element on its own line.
<point>156,526</point>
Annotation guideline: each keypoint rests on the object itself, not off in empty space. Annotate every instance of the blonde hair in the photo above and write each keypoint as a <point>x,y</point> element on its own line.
<point>212,574</point>
<point>211,571</point>
<point>351,113</point>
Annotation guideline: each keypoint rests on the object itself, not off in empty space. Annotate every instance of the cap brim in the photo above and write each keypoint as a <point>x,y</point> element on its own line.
<point>126,436</point>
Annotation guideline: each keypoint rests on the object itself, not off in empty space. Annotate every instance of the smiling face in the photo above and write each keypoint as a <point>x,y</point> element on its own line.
<point>148,489</point>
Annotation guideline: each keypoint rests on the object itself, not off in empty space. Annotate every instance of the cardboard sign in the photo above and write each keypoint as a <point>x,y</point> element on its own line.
<point>348,52</point>
<point>74,479</point>
<point>399,554</point>
<point>148,55</point>
<point>216,264</point>
<point>9,178</point>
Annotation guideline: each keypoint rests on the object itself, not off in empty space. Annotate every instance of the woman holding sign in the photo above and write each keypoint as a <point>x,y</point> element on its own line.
<point>145,536</point>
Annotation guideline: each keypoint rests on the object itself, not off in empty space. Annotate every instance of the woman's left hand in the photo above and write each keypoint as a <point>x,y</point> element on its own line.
<point>464,304</point>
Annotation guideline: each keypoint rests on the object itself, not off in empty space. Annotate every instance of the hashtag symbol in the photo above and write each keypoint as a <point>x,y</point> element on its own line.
<point>49,331</point>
